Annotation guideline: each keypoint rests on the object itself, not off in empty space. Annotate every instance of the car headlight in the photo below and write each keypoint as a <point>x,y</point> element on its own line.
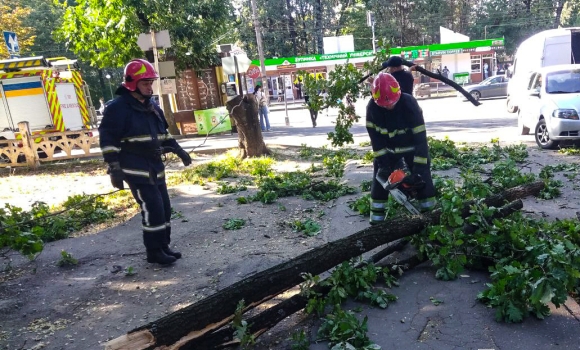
<point>565,114</point>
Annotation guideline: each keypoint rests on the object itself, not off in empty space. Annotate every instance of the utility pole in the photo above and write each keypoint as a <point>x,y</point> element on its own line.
<point>156,64</point>
<point>258,28</point>
<point>371,23</point>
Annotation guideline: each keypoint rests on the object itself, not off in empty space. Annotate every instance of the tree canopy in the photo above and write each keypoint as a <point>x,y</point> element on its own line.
<point>105,33</point>
<point>12,20</point>
<point>296,27</point>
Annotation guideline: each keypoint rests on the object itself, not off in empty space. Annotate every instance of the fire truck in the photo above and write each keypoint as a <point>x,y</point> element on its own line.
<point>49,94</point>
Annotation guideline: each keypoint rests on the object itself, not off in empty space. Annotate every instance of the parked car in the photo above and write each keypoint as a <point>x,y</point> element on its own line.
<point>495,86</point>
<point>544,49</point>
<point>551,105</point>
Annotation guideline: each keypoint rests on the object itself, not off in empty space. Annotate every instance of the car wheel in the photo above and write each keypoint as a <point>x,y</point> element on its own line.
<point>524,130</point>
<point>510,106</point>
<point>476,95</point>
<point>543,136</point>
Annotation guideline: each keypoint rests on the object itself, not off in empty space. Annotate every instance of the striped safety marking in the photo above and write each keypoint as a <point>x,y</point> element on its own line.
<point>30,73</point>
<point>22,64</point>
<point>78,82</point>
<point>52,99</point>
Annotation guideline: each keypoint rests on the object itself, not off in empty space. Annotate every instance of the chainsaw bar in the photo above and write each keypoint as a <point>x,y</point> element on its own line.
<point>399,196</point>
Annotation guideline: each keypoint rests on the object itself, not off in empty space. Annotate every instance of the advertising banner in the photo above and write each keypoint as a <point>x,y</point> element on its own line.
<point>212,121</point>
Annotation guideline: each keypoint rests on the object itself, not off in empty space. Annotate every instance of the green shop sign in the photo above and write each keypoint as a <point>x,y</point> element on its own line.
<point>314,58</point>
<point>446,52</point>
<point>408,52</point>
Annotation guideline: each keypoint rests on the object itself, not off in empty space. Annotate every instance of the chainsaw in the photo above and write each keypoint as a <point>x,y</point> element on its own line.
<point>402,187</point>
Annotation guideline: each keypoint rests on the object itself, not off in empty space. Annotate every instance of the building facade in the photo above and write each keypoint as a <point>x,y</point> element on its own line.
<point>467,62</point>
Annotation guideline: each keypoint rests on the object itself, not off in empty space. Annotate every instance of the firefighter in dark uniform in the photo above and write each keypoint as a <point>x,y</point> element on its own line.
<point>396,128</point>
<point>133,137</point>
<point>404,78</point>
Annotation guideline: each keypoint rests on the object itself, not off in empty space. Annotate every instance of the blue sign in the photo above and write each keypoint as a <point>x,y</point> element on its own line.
<point>11,43</point>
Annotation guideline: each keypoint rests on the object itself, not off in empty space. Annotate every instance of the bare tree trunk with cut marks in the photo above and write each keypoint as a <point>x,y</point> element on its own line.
<point>173,130</point>
<point>245,113</point>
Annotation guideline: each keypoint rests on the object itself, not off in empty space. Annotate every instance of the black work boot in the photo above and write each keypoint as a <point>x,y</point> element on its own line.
<point>157,255</point>
<point>168,251</point>
<point>165,245</point>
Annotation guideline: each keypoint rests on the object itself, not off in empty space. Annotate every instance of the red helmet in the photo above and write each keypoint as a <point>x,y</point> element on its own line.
<point>136,70</point>
<point>386,90</point>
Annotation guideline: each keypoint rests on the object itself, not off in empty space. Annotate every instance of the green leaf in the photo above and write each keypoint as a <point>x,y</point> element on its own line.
<point>514,314</point>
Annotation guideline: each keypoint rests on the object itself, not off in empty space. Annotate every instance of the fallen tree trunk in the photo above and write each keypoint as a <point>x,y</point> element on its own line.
<point>215,311</point>
<point>267,319</point>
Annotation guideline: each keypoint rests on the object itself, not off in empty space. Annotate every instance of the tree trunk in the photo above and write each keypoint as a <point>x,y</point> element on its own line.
<point>291,26</point>
<point>102,83</point>
<point>559,8</point>
<point>318,28</point>
<point>267,319</point>
<point>173,130</point>
<point>245,113</point>
<point>192,322</point>
<point>270,317</point>
<point>341,16</point>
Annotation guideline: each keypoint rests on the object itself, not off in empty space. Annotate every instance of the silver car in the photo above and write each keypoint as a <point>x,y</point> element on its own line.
<point>551,104</point>
<point>495,86</point>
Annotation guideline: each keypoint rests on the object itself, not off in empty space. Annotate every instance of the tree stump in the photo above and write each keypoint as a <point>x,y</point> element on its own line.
<point>245,113</point>
<point>173,129</point>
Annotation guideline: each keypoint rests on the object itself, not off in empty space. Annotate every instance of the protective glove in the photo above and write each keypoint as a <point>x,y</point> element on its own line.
<point>117,175</point>
<point>162,150</point>
<point>413,181</point>
<point>185,157</point>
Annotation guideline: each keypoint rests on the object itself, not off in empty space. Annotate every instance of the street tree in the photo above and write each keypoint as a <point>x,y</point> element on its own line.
<point>104,33</point>
<point>11,20</point>
<point>344,85</point>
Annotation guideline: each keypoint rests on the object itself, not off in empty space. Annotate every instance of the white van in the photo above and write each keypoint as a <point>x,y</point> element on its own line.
<point>547,48</point>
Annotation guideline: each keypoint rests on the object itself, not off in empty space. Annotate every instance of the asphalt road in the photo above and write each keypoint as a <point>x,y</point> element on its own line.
<point>451,117</point>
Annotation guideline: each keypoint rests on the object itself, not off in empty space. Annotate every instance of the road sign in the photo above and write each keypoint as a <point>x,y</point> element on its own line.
<point>162,40</point>
<point>11,43</point>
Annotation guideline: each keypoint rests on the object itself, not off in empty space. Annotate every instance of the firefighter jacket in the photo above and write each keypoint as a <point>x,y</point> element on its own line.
<point>400,130</point>
<point>135,135</point>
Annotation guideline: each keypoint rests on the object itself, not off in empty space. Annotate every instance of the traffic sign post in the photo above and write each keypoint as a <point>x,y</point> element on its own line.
<point>12,44</point>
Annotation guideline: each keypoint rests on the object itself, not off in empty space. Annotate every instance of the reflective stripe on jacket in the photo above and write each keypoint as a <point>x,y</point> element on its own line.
<point>130,132</point>
<point>399,130</point>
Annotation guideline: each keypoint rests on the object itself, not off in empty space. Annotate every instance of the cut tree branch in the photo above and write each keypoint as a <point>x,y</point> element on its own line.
<point>207,315</point>
<point>443,79</point>
<point>267,319</point>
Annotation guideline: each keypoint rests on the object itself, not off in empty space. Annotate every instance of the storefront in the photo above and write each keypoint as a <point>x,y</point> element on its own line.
<point>470,61</point>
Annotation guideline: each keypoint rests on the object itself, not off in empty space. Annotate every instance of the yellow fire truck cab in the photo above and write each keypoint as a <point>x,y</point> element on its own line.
<point>49,94</point>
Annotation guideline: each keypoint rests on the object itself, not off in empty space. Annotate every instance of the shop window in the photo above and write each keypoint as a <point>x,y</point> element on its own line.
<point>476,64</point>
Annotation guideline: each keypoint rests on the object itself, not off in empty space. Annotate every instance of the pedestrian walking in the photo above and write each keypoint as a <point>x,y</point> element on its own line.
<point>101,105</point>
<point>445,72</point>
<point>133,138</point>
<point>324,96</point>
<point>313,113</point>
<point>262,108</point>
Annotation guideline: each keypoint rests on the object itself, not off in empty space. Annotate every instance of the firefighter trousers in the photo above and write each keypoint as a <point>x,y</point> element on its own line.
<point>380,196</point>
<point>155,213</point>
